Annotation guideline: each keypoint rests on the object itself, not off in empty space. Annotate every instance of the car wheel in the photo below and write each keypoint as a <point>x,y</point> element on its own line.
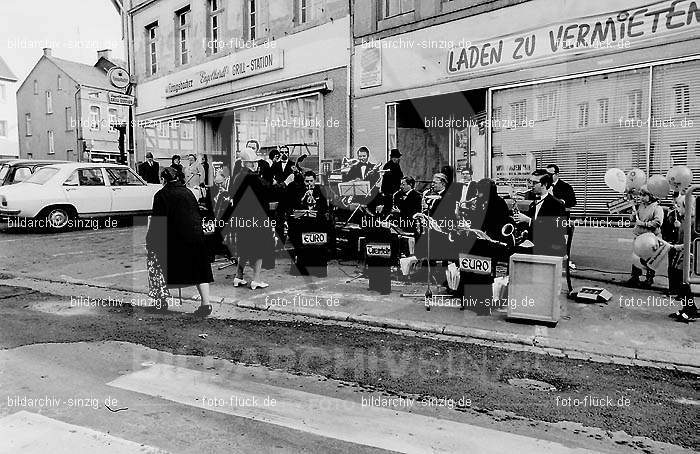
<point>57,218</point>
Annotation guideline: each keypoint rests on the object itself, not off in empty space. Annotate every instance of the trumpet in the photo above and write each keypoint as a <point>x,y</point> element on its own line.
<point>308,198</point>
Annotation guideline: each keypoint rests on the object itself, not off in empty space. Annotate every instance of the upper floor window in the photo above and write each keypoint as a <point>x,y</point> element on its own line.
<point>94,118</point>
<point>69,118</point>
<point>3,128</point>
<point>682,97</point>
<point>215,16</point>
<point>49,103</point>
<point>52,150</point>
<point>36,87</point>
<point>28,124</point>
<point>3,93</point>
<point>152,48</point>
<point>113,120</point>
<point>183,35</point>
<point>252,19</point>
<point>634,105</point>
<point>391,8</point>
<point>546,106</point>
<point>603,111</point>
<point>583,115</point>
<point>519,112</point>
<point>59,85</point>
<point>309,10</point>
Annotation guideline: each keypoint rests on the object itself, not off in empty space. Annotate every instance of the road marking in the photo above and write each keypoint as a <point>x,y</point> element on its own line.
<point>31,433</point>
<point>119,274</point>
<point>384,428</point>
<point>67,253</point>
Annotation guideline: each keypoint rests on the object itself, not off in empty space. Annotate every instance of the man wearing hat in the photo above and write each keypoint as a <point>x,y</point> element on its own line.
<point>149,170</point>
<point>391,182</point>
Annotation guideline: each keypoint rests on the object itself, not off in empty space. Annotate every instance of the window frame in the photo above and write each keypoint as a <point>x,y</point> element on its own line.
<point>49,102</point>
<point>514,111</point>
<point>384,6</point>
<point>69,118</point>
<point>152,48</point>
<point>252,12</point>
<point>59,84</point>
<point>3,92</point>
<point>681,93</point>
<point>214,31</point>
<point>583,115</point>
<point>36,87</point>
<point>52,143</point>
<point>603,113</point>
<point>302,9</point>
<point>182,40</point>
<point>95,125</point>
<point>27,124</point>
<point>112,126</point>
<point>635,101</point>
<point>3,128</point>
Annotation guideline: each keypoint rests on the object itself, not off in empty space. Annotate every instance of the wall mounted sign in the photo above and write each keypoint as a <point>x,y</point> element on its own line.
<point>120,99</point>
<point>118,77</point>
<point>602,33</point>
<point>233,67</point>
<point>370,65</point>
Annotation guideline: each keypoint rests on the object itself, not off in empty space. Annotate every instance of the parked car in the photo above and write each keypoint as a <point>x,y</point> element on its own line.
<point>59,196</point>
<point>18,170</point>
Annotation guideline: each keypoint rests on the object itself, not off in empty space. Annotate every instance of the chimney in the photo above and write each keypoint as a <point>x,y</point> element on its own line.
<point>47,51</point>
<point>104,53</point>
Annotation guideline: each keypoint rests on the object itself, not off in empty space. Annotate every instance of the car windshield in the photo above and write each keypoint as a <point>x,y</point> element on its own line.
<point>3,172</point>
<point>42,175</point>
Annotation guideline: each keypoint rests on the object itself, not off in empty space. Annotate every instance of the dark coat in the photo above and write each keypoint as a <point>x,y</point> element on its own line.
<point>280,173</point>
<point>408,204</point>
<point>392,179</point>
<point>175,235</point>
<point>491,216</point>
<point>547,230</point>
<point>150,173</point>
<point>180,172</point>
<point>355,172</point>
<point>250,218</point>
<point>563,191</point>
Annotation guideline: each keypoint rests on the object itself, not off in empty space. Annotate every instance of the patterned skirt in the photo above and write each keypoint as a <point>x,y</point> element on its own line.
<point>157,287</point>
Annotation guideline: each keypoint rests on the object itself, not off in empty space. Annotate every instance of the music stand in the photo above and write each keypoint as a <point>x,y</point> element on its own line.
<point>352,189</point>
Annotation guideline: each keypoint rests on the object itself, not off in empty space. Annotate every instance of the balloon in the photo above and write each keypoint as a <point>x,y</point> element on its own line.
<point>616,180</point>
<point>636,178</point>
<point>679,177</point>
<point>645,245</point>
<point>658,186</point>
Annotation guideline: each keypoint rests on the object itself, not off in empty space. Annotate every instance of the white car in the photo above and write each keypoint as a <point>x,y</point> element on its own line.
<point>58,196</point>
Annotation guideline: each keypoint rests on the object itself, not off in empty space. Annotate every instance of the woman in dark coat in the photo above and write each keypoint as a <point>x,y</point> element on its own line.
<point>175,243</point>
<point>250,218</point>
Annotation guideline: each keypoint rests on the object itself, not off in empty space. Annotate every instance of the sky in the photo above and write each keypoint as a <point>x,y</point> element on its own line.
<point>74,29</point>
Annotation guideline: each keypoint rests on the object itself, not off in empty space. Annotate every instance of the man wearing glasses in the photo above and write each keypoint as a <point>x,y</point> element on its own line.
<point>546,217</point>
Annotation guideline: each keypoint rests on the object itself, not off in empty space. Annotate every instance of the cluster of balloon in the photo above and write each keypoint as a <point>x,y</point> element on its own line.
<point>616,180</point>
<point>635,179</point>
<point>645,245</point>
<point>679,177</point>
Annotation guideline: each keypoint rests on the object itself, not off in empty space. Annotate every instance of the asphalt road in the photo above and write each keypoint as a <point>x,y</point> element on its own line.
<point>164,366</point>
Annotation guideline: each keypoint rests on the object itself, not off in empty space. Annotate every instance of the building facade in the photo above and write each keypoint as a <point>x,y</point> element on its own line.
<point>212,75</point>
<point>508,86</point>
<point>9,147</point>
<point>70,111</point>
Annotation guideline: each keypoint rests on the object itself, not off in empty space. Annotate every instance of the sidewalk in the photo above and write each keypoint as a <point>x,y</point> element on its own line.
<point>633,328</point>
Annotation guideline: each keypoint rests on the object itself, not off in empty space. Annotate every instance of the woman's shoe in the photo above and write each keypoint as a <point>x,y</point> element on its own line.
<point>203,311</point>
<point>256,284</point>
<point>239,282</point>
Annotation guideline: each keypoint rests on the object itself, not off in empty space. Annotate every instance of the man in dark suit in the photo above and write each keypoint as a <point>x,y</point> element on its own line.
<point>282,167</point>
<point>360,171</point>
<point>561,190</point>
<point>546,217</point>
<point>150,170</point>
<point>406,202</point>
<point>311,197</point>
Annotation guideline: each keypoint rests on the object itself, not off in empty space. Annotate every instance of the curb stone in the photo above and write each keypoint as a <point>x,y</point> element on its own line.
<point>571,349</point>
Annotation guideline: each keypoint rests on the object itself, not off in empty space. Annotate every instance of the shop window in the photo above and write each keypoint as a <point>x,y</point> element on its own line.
<point>309,10</point>
<point>583,115</point>
<point>603,111</point>
<point>391,8</point>
<point>682,98</point>
<point>634,105</point>
<point>214,32</point>
<point>518,112</point>
<point>166,138</point>
<point>183,35</point>
<point>28,124</point>
<point>152,47</point>
<point>52,150</point>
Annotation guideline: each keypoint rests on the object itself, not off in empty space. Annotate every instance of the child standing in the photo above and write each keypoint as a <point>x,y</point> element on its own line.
<point>648,217</point>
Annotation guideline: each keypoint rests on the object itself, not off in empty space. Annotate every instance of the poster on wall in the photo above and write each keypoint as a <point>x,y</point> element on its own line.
<point>511,172</point>
<point>370,66</point>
